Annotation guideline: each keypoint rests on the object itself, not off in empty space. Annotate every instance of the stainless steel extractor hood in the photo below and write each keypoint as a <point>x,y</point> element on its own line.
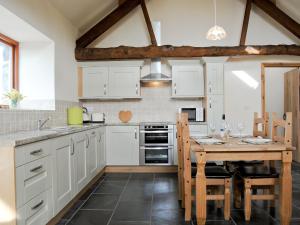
<point>155,65</point>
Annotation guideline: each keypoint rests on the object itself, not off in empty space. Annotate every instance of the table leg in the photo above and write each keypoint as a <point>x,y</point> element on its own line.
<point>201,188</point>
<point>286,188</point>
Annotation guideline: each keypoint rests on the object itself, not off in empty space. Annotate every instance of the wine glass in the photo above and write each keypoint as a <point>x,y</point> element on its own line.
<point>228,129</point>
<point>212,128</point>
<point>240,127</point>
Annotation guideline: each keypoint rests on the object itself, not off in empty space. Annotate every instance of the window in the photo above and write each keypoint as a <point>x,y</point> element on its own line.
<point>9,63</point>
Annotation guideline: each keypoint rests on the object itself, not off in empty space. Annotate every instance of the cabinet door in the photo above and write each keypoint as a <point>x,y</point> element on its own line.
<point>122,145</point>
<point>95,82</point>
<point>215,78</point>
<point>124,81</point>
<point>215,110</point>
<point>101,149</point>
<point>63,172</point>
<point>187,81</point>
<point>80,141</point>
<point>92,154</point>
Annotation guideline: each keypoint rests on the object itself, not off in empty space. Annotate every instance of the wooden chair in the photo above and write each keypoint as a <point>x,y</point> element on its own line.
<point>216,176</point>
<point>263,176</point>
<point>263,122</point>
<point>260,129</point>
<point>180,159</point>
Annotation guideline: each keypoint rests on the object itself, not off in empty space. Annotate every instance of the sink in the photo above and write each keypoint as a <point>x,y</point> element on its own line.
<point>62,129</point>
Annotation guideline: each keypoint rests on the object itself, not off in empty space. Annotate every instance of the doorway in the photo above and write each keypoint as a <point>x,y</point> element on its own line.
<point>280,94</point>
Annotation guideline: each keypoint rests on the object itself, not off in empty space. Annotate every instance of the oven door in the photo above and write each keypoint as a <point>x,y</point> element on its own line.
<point>156,155</point>
<point>156,137</point>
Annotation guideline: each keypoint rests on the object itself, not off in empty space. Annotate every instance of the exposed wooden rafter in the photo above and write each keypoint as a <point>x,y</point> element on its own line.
<point>278,15</point>
<point>125,52</point>
<point>106,23</point>
<point>148,22</point>
<point>245,22</point>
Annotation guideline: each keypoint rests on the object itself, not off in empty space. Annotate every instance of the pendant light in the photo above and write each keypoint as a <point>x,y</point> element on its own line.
<point>216,32</point>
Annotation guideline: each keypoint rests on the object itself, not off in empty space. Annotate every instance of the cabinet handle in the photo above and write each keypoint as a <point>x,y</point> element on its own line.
<point>88,141</point>
<point>93,133</point>
<point>36,152</point>
<point>135,133</point>
<point>175,87</point>
<point>136,89</point>
<point>72,147</point>
<point>37,205</point>
<point>35,169</point>
<point>104,89</point>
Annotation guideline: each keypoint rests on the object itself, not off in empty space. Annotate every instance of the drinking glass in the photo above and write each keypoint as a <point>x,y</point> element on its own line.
<point>240,127</point>
<point>212,128</point>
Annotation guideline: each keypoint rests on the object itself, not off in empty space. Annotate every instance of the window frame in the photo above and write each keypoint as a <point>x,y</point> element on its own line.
<point>15,58</point>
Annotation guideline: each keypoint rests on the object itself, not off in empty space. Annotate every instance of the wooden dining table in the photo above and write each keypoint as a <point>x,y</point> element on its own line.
<point>235,150</point>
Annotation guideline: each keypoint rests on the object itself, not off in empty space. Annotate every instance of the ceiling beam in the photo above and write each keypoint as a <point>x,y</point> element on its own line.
<point>125,52</point>
<point>106,23</point>
<point>278,15</point>
<point>148,22</point>
<point>245,22</point>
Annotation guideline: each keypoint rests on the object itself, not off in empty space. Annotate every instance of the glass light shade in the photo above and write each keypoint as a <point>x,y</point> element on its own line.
<point>216,33</point>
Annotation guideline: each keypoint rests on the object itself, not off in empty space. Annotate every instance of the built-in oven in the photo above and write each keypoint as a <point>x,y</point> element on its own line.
<point>156,144</point>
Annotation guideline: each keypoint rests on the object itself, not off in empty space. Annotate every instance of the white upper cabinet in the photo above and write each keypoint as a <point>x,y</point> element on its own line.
<point>187,81</point>
<point>109,80</point>
<point>94,82</point>
<point>124,82</point>
<point>214,78</point>
<point>122,145</point>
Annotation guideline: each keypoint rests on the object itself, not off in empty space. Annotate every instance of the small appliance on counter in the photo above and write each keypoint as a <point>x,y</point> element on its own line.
<point>75,115</point>
<point>97,117</point>
<point>194,114</point>
<point>86,117</point>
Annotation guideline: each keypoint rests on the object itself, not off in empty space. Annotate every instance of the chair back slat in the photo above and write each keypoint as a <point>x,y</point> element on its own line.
<point>264,122</point>
<point>286,125</point>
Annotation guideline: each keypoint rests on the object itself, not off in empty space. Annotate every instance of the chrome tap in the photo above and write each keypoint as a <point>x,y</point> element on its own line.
<point>41,123</point>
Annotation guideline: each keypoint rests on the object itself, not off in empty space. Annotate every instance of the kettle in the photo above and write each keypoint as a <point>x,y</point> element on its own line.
<point>85,116</point>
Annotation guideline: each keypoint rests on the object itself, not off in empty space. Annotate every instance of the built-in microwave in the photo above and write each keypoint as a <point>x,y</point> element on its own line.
<point>194,114</point>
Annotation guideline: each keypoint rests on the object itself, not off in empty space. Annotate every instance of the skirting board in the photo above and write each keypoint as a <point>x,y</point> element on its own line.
<point>141,169</point>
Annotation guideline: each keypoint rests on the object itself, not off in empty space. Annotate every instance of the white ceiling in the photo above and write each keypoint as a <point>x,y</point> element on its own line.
<point>85,13</point>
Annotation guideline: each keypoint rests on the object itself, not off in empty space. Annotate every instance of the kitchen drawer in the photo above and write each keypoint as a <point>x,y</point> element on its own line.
<point>38,211</point>
<point>28,153</point>
<point>198,129</point>
<point>33,179</point>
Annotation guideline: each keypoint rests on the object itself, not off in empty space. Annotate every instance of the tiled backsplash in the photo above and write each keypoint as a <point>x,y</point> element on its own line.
<point>22,120</point>
<point>156,105</point>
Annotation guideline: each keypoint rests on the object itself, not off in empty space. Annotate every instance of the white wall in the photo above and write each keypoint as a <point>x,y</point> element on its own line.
<point>240,99</point>
<point>186,23</point>
<point>36,71</point>
<point>45,18</point>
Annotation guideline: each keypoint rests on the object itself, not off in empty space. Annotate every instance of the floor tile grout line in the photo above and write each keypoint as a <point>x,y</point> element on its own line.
<point>119,200</point>
<point>77,210</point>
<point>152,197</point>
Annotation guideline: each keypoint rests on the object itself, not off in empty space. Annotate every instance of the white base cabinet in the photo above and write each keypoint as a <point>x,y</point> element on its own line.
<point>122,145</point>
<point>76,163</point>
<point>63,174</point>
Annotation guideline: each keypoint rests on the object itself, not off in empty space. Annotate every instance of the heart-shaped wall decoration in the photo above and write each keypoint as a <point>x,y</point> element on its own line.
<point>125,116</point>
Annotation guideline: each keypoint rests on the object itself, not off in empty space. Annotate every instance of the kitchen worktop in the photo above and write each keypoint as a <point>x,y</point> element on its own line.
<point>27,137</point>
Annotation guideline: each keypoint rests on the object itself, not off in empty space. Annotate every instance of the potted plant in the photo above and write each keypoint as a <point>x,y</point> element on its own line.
<point>15,97</point>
